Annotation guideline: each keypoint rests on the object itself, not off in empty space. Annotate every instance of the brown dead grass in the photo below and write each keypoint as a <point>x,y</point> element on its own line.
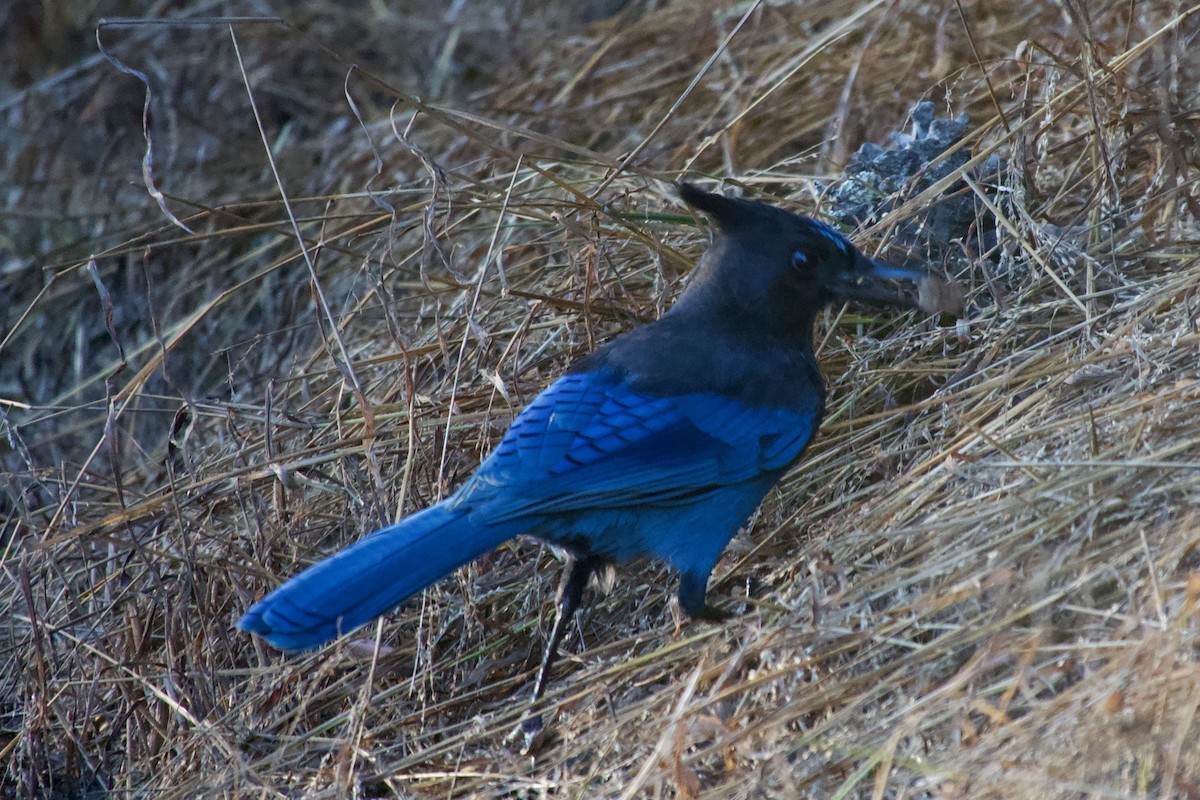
<point>983,582</point>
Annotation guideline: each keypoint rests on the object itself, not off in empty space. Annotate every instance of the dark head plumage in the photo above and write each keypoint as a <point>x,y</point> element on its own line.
<point>778,267</point>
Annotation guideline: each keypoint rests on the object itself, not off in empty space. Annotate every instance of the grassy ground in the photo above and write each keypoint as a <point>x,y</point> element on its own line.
<point>305,292</point>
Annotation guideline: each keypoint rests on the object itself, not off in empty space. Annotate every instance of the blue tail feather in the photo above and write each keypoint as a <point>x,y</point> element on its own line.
<point>370,577</point>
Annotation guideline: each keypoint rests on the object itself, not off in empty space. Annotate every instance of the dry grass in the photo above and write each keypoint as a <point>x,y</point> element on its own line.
<point>983,582</point>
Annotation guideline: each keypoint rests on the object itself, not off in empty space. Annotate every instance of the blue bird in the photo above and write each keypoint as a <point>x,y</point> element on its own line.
<point>661,443</point>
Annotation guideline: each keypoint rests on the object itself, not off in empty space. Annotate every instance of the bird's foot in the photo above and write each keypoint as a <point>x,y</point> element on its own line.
<point>692,589</point>
<point>529,736</point>
<point>709,613</point>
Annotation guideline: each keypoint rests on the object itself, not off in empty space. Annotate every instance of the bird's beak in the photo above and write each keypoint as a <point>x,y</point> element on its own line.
<point>866,283</point>
<point>934,295</point>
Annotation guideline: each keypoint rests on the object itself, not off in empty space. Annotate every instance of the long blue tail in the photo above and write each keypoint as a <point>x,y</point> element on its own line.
<point>356,585</point>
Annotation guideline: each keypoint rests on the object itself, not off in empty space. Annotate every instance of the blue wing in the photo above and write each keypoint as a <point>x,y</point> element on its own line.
<point>589,441</point>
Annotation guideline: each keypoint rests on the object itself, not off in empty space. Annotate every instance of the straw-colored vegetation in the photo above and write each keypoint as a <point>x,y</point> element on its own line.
<point>982,582</point>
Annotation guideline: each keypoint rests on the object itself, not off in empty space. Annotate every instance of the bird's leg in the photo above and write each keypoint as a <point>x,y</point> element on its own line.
<point>570,592</point>
<point>692,588</point>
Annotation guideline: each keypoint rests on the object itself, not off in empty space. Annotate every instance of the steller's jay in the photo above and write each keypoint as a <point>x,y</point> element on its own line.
<point>661,443</point>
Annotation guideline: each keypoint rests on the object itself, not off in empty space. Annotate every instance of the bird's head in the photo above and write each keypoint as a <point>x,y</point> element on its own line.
<point>779,269</point>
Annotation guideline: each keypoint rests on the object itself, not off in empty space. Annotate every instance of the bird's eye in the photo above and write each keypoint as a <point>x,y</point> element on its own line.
<point>799,259</point>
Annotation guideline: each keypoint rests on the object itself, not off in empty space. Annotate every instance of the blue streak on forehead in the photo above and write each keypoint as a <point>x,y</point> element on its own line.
<point>830,234</point>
